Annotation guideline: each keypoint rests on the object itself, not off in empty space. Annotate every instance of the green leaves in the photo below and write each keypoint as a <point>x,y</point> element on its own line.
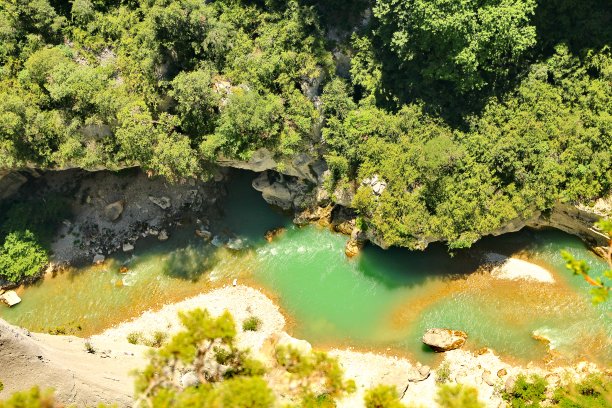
<point>21,257</point>
<point>467,43</point>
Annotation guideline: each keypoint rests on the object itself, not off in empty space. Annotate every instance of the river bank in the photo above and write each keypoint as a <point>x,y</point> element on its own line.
<point>80,377</point>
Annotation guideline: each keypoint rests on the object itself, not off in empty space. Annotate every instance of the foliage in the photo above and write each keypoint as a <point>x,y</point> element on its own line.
<point>601,284</point>
<point>21,257</point>
<point>157,339</point>
<point>594,391</point>
<point>145,83</point>
<point>253,323</point>
<point>227,376</point>
<point>89,347</point>
<point>314,368</point>
<point>527,392</point>
<point>382,396</point>
<point>33,398</point>
<point>475,113</point>
<point>458,396</point>
<point>466,43</point>
<point>134,337</point>
<point>443,373</point>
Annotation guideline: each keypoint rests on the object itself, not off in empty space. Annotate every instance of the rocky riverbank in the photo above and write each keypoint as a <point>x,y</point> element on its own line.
<point>80,377</point>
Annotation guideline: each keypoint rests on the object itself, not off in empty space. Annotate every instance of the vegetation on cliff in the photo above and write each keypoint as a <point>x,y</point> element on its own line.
<point>473,113</point>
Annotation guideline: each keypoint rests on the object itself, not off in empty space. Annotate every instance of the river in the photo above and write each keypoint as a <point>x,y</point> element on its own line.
<point>382,300</point>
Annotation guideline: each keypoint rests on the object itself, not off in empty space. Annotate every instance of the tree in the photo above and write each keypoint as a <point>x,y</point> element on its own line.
<point>468,43</point>
<point>21,257</point>
<point>249,121</point>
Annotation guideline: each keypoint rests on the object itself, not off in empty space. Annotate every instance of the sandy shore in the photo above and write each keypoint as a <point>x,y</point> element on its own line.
<point>105,376</point>
<point>507,268</point>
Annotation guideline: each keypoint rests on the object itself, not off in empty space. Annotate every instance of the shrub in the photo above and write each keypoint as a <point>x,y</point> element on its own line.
<point>382,396</point>
<point>157,340</point>
<point>32,398</point>
<point>253,323</point>
<point>21,257</point>
<point>134,337</point>
<point>595,391</point>
<point>89,347</point>
<point>443,373</point>
<point>458,396</point>
<point>527,392</point>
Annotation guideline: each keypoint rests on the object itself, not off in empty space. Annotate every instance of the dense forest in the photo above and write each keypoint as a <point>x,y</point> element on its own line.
<point>474,112</point>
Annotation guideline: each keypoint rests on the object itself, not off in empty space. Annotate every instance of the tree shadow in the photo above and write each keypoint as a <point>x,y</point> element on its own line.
<point>584,24</point>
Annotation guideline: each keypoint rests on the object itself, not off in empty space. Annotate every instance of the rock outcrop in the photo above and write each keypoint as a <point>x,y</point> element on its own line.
<point>61,363</point>
<point>444,339</point>
<point>302,166</point>
<point>113,210</point>
<point>11,181</point>
<point>288,193</point>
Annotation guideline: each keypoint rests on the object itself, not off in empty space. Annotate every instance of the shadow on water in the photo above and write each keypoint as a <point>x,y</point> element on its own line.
<point>396,267</point>
<point>245,214</point>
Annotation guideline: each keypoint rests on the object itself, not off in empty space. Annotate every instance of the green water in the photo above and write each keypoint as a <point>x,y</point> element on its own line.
<point>381,299</point>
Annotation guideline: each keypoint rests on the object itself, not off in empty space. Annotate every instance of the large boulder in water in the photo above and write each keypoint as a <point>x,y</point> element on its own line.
<point>113,211</point>
<point>444,339</point>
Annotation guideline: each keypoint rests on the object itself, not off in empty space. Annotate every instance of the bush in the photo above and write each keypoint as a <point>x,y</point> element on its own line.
<point>458,396</point>
<point>21,257</point>
<point>527,392</point>
<point>34,398</point>
<point>382,396</point>
<point>443,373</point>
<point>253,323</point>
<point>134,337</point>
<point>595,391</point>
<point>89,347</point>
<point>157,340</point>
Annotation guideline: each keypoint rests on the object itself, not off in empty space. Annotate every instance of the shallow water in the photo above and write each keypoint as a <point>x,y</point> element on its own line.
<point>381,299</point>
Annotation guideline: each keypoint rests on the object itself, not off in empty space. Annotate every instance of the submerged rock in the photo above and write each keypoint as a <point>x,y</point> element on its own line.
<point>444,339</point>
<point>273,233</point>
<point>162,202</point>
<point>113,211</point>
<point>98,259</point>
<point>127,247</point>
<point>202,233</point>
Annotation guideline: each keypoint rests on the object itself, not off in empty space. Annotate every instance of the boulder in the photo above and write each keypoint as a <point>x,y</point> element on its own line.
<point>202,233</point>
<point>444,339</point>
<point>488,378</point>
<point>352,248</point>
<point>502,372</point>
<point>190,379</point>
<point>127,247</point>
<point>419,373</point>
<point>113,211</point>
<point>162,202</point>
<point>98,259</point>
<point>510,383</point>
<point>163,235</point>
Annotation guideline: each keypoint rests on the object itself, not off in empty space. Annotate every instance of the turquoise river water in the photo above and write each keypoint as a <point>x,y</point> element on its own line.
<point>381,300</point>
